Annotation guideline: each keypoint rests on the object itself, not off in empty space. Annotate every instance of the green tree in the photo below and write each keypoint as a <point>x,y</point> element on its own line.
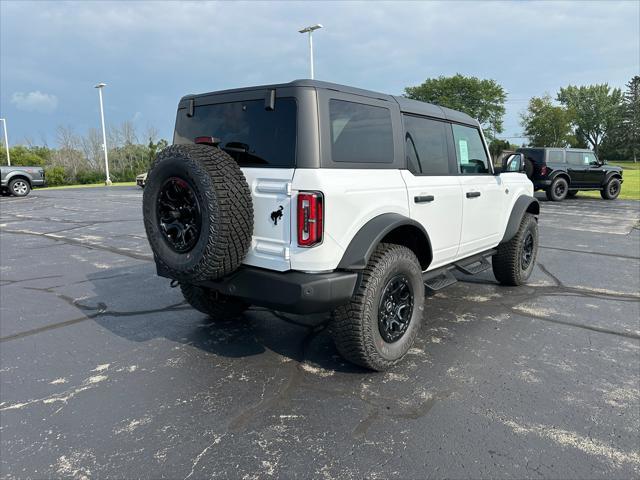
<point>481,99</point>
<point>496,147</point>
<point>596,110</point>
<point>21,156</point>
<point>631,114</point>
<point>546,124</point>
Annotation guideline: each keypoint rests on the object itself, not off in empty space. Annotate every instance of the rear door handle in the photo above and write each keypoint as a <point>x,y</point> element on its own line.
<point>473,194</point>
<point>423,198</point>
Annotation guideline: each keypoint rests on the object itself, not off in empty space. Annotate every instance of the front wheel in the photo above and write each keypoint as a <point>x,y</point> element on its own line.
<point>19,187</point>
<point>558,190</point>
<point>514,262</point>
<point>611,190</point>
<point>380,323</point>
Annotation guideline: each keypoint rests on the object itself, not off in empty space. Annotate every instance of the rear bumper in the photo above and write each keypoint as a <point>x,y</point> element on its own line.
<point>540,184</point>
<point>293,292</point>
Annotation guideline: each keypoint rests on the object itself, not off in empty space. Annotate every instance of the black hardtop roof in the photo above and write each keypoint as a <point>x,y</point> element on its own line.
<point>406,105</point>
<point>556,148</point>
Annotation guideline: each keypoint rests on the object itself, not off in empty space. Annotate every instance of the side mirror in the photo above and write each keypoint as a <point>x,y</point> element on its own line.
<point>514,163</point>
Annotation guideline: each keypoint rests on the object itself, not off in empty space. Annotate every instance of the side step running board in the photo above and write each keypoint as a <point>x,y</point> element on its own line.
<point>476,264</point>
<point>442,277</point>
<point>438,279</point>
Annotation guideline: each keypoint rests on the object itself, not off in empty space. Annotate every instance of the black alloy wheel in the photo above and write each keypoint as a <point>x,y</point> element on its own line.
<point>395,309</point>
<point>527,251</point>
<point>179,214</point>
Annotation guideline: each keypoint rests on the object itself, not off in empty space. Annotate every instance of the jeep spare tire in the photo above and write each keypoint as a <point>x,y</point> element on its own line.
<point>198,213</point>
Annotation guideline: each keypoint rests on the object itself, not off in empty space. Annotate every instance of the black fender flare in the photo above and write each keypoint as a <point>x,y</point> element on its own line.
<point>611,175</point>
<point>373,232</point>
<point>560,173</point>
<point>523,204</point>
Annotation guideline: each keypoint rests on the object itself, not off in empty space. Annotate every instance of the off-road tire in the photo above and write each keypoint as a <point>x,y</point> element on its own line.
<point>224,198</point>
<point>572,193</point>
<point>528,168</point>
<point>508,262</point>
<point>611,189</point>
<point>19,182</point>
<point>212,303</point>
<point>553,194</point>
<point>355,325</point>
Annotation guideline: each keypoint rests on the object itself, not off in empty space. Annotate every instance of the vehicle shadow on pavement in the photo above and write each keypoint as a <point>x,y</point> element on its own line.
<point>133,303</point>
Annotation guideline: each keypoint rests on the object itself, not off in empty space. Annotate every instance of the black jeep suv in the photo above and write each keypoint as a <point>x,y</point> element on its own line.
<point>562,172</point>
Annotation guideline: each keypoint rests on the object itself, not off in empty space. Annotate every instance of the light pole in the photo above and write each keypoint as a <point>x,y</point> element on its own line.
<point>100,86</point>
<point>310,30</point>
<point>6,140</point>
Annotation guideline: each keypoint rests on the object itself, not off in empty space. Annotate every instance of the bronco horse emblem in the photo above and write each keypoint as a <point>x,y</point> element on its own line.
<point>277,215</point>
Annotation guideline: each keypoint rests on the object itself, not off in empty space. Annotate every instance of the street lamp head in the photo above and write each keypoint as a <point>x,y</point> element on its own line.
<point>310,28</point>
<point>100,85</point>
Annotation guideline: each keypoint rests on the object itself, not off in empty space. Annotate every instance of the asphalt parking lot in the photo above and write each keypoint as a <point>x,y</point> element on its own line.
<point>105,371</point>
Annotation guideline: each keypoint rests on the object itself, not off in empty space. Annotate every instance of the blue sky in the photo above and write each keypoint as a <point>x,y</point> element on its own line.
<point>152,53</point>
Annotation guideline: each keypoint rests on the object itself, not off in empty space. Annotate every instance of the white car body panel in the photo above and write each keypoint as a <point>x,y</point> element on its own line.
<point>458,226</point>
<point>271,243</point>
<point>352,198</point>
<point>441,218</point>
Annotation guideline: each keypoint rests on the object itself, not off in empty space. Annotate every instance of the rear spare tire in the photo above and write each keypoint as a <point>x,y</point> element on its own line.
<point>198,213</point>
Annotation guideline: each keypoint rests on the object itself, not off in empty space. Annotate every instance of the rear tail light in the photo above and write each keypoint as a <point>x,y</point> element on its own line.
<point>212,141</point>
<point>544,170</point>
<point>310,218</point>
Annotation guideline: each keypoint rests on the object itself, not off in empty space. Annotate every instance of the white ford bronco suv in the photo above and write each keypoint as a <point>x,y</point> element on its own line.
<point>312,197</point>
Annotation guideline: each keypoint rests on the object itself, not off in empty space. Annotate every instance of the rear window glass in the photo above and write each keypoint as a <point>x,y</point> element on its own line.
<point>360,133</point>
<point>533,155</point>
<point>252,135</point>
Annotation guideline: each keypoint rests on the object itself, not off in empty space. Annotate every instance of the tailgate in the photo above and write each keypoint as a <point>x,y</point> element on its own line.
<point>271,196</point>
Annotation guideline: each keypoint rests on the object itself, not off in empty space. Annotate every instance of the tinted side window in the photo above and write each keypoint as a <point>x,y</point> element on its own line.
<point>589,158</point>
<point>580,158</point>
<point>426,146</point>
<point>556,156</point>
<point>360,133</point>
<point>253,136</point>
<point>470,152</point>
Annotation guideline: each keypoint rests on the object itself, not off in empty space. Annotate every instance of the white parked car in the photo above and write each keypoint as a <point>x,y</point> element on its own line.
<point>309,197</point>
<point>141,180</point>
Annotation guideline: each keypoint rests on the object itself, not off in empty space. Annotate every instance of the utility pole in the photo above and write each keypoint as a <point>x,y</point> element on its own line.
<point>6,140</point>
<point>310,30</point>
<point>107,182</point>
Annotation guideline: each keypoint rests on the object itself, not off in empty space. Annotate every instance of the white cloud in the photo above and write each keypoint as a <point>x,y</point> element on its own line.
<point>35,101</point>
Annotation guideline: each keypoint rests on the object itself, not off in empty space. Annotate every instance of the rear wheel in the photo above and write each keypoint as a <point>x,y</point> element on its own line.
<point>572,193</point>
<point>611,190</point>
<point>214,304</point>
<point>380,323</point>
<point>558,190</point>
<point>514,262</point>
<point>19,187</point>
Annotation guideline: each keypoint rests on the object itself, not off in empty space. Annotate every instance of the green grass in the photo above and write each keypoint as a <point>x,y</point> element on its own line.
<point>90,185</point>
<point>630,185</point>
